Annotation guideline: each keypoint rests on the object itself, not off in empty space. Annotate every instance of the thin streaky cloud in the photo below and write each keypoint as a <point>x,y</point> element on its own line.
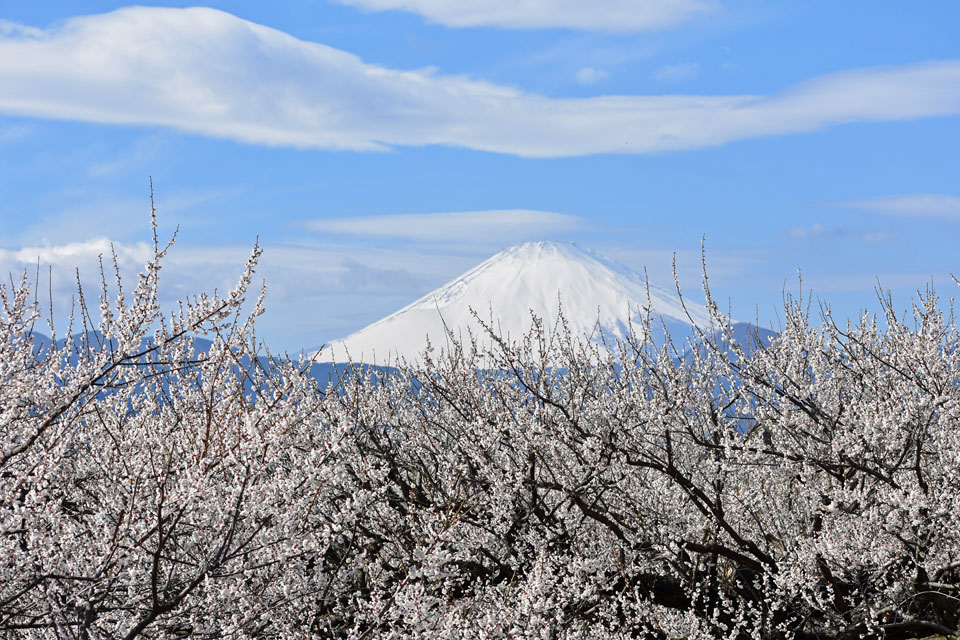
<point>15,132</point>
<point>816,231</point>
<point>591,75</point>
<point>210,73</point>
<point>680,72</point>
<point>866,281</point>
<point>821,233</point>
<point>500,224</point>
<point>922,204</point>
<point>598,15</point>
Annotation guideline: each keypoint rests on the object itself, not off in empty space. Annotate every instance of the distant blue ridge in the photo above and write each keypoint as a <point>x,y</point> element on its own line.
<point>328,374</point>
<point>325,373</point>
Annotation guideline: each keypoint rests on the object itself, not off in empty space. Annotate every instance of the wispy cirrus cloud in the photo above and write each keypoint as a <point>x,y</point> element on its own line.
<point>501,225</point>
<point>862,282</point>
<point>680,72</point>
<point>14,132</point>
<point>210,73</point>
<point>143,152</point>
<point>591,75</point>
<point>598,15</point>
<point>821,233</point>
<point>816,232</point>
<point>921,204</point>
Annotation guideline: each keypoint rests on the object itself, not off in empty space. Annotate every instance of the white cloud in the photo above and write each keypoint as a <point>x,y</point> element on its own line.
<point>207,72</point>
<point>75,253</point>
<point>589,75</point>
<point>677,72</point>
<point>597,15</point>
<point>292,271</point>
<point>923,204</point>
<point>499,225</point>
<point>314,292</point>
<point>187,270</point>
<point>8,28</point>
<point>60,263</point>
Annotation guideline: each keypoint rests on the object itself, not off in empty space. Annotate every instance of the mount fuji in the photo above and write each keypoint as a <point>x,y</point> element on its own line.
<point>598,297</point>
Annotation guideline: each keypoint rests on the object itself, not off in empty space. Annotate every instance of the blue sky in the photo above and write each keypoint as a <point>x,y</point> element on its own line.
<point>379,148</point>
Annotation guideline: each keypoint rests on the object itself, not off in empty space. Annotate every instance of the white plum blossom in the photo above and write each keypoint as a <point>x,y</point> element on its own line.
<point>546,488</point>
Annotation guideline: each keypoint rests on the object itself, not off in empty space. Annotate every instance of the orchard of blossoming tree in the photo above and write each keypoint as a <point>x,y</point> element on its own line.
<point>546,488</point>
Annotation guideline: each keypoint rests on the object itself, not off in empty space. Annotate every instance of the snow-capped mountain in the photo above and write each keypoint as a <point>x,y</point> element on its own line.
<point>597,295</point>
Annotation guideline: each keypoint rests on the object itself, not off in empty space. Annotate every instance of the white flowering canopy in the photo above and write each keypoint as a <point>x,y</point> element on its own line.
<point>808,489</point>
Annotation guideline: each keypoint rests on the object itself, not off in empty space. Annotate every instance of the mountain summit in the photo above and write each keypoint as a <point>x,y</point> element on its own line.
<point>596,294</point>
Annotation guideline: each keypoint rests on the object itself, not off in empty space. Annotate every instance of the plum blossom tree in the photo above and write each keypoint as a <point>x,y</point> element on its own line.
<point>146,488</point>
<point>545,488</point>
<point>808,488</point>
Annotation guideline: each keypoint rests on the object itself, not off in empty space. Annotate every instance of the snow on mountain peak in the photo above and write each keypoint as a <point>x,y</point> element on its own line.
<point>596,295</point>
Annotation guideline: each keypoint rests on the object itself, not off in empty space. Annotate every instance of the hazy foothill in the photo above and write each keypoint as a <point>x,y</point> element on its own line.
<point>479,320</point>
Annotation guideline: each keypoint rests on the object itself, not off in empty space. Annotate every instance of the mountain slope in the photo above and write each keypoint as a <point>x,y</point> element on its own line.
<point>597,295</point>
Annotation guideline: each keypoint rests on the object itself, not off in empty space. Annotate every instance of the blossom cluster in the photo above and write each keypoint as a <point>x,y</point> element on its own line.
<point>544,488</point>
